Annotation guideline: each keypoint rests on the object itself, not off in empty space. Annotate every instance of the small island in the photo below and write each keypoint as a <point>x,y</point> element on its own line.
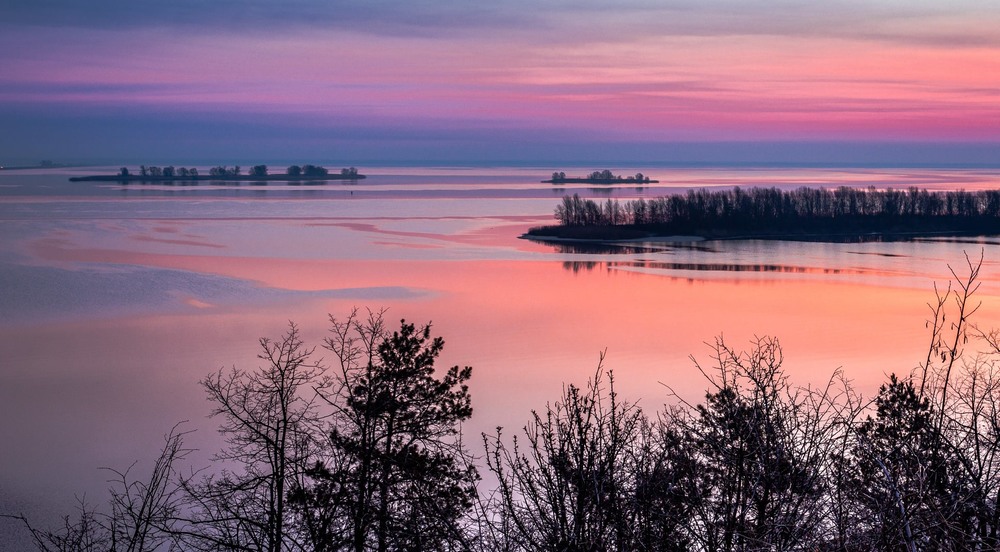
<point>257,173</point>
<point>43,164</point>
<point>600,177</point>
<point>806,214</point>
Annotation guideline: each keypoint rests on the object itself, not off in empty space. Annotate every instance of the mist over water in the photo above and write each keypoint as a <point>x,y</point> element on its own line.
<point>115,300</point>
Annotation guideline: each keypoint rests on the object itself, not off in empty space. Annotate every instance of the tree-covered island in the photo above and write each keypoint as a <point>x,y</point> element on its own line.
<point>599,177</point>
<point>221,172</point>
<point>841,214</point>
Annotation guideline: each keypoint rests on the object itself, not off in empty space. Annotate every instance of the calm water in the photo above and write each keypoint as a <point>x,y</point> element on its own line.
<point>115,300</point>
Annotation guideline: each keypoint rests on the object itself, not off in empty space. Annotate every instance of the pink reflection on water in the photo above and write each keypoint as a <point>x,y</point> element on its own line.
<point>192,243</point>
<point>512,307</point>
<point>499,233</point>
<point>527,328</point>
<point>102,392</point>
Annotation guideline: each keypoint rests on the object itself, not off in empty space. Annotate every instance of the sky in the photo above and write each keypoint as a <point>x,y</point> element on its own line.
<point>506,81</point>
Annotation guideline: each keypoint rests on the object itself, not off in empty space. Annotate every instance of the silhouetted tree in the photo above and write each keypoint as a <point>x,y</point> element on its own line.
<point>143,515</point>
<point>907,476</point>
<point>669,489</point>
<point>294,170</point>
<point>570,482</point>
<point>270,422</point>
<point>396,476</point>
<point>769,210</point>
<point>258,170</point>
<point>313,170</point>
<point>760,445</point>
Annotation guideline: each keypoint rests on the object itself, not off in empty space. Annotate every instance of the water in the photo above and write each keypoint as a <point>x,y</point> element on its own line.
<point>116,299</point>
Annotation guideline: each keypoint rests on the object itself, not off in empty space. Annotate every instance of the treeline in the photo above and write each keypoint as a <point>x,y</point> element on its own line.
<point>234,171</point>
<point>170,171</point>
<point>771,209</point>
<point>222,170</point>
<point>603,177</point>
<point>367,454</point>
<point>313,170</point>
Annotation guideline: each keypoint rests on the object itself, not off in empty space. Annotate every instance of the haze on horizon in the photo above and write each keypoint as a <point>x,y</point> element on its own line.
<point>362,81</point>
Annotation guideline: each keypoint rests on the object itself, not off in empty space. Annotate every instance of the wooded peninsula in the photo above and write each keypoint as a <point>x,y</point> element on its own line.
<point>256,173</point>
<point>841,214</point>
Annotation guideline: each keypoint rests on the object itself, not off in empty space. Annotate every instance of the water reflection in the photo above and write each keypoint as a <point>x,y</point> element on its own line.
<point>625,248</point>
<point>115,307</point>
<point>984,240</point>
<point>732,267</point>
<point>577,266</point>
<point>602,248</point>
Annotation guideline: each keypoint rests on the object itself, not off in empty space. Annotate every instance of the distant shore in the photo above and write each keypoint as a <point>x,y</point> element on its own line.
<point>805,214</point>
<point>205,177</point>
<point>31,167</point>
<point>616,240</point>
<point>623,234</point>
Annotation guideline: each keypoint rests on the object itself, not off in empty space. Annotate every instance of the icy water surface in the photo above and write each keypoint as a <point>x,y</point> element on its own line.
<point>116,299</point>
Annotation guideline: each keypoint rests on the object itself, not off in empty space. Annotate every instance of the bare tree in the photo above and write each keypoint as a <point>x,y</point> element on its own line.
<point>760,446</point>
<point>908,480</point>
<point>143,513</point>
<point>569,483</point>
<point>270,422</point>
<point>83,533</point>
<point>924,461</point>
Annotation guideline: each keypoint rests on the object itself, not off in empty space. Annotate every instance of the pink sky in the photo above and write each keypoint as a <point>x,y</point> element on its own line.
<point>759,71</point>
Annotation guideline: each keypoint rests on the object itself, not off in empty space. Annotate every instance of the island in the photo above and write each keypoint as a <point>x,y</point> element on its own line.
<point>44,164</point>
<point>257,173</point>
<point>599,177</point>
<point>804,214</point>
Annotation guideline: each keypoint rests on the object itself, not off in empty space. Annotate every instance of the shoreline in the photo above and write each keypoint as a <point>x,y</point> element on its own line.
<point>216,178</point>
<point>822,237</point>
<point>615,241</point>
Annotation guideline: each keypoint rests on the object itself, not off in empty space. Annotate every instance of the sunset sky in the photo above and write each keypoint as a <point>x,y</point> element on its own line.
<point>521,81</point>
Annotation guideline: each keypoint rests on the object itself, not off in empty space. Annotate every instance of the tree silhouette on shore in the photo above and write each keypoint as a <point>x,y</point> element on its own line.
<point>805,210</point>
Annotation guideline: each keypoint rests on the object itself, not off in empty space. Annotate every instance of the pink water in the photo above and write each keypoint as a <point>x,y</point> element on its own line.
<point>115,302</point>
